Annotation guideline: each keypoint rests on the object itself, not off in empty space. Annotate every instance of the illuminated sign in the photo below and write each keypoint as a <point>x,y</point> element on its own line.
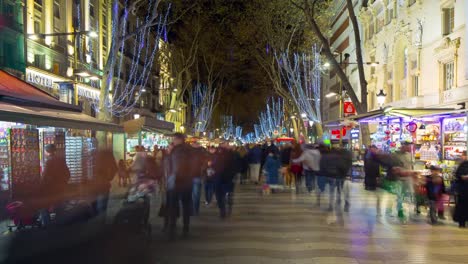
<point>49,82</point>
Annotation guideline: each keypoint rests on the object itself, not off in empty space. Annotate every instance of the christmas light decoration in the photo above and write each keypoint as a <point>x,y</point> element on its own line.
<point>302,75</point>
<point>203,99</point>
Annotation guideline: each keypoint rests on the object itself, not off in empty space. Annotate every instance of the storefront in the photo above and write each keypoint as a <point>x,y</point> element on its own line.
<point>31,119</point>
<point>148,133</point>
<point>439,136</point>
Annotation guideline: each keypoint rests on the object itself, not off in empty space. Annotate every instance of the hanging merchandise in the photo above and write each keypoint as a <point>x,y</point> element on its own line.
<point>74,158</point>
<point>24,159</point>
<point>4,160</point>
<point>455,137</point>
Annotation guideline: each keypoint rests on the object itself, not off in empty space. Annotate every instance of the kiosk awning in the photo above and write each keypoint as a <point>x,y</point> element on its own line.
<point>401,112</point>
<point>148,124</point>
<point>50,117</point>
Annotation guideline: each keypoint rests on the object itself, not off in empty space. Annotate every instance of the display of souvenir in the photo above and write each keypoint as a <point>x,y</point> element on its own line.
<point>4,160</point>
<point>24,145</point>
<point>74,157</point>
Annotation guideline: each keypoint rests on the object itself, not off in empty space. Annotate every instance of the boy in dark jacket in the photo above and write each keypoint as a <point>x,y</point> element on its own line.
<point>435,189</point>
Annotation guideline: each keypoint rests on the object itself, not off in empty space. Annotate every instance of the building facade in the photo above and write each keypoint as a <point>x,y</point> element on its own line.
<point>12,37</point>
<point>69,62</point>
<point>422,50</point>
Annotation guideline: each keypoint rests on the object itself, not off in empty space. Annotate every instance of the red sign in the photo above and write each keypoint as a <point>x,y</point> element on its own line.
<point>336,132</point>
<point>349,109</point>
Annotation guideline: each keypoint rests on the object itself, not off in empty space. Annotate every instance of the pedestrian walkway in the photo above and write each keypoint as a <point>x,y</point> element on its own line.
<point>289,228</point>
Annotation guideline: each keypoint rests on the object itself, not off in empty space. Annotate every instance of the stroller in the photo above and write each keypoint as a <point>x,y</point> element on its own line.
<point>134,215</point>
<point>22,216</point>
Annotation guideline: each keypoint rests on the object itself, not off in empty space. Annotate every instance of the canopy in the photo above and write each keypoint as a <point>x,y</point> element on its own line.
<point>19,92</point>
<point>50,117</point>
<point>410,113</point>
<point>285,139</point>
<point>148,124</point>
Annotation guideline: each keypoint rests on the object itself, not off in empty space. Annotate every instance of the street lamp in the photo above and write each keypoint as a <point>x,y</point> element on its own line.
<point>381,98</point>
<point>303,115</point>
<point>136,116</point>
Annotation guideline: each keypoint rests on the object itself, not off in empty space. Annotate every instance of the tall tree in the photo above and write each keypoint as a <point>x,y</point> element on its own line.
<point>313,11</point>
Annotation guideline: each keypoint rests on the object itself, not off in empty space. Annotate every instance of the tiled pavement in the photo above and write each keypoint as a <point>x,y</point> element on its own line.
<point>289,228</point>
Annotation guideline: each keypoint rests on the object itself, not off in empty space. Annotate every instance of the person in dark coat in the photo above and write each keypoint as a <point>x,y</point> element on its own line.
<point>435,189</point>
<point>461,206</point>
<point>371,168</point>
<point>179,185</point>
<point>226,167</point>
<point>285,158</point>
<point>55,177</point>
<point>272,166</point>
<point>254,159</point>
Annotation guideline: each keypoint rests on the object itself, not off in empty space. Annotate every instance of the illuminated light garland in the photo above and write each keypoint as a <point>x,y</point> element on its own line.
<point>203,99</point>
<point>126,94</point>
<point>303,79</point>
<point>272,118</point>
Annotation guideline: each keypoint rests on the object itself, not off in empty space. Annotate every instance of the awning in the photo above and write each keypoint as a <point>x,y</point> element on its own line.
<point>56,118</point>
<point>148,124</point>
<point>17,91</point>
<point>410,113</point>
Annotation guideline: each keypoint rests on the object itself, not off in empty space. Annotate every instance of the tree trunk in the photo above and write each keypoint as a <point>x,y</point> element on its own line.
<point>318,130</point>
<point>360,62</point>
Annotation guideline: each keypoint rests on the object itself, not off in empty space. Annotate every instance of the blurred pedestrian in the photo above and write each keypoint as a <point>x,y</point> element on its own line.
<point>255,159</point>
<point>461,205</point>
<point>371,168</point>
<point>226,168</point>
<point>55,177</point>
<point>310,159</point>
<point>271,167</point>
<point>197,164</point>
<point>296,166</point>
<point>124,176</point>
<point>285,158</point>
<point>435,190</point>
<point>179,185</point>
<point>104,172</point>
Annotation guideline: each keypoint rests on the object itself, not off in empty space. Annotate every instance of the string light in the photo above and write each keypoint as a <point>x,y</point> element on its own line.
<point>302,76</point>
<point>203,99</point>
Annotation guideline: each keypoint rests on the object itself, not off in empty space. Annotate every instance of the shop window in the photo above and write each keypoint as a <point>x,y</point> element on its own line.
<point>415,85</point>
<point>57,9</point>
<point>449,75</point>
<point>448,20</point>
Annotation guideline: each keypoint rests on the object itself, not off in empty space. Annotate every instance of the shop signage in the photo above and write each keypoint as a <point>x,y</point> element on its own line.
<point>336,133</point>
<point>349,108</point>
<point>49,82</point>
<point>354,133</point>
<point>39,79</point>
<point>88,93</point>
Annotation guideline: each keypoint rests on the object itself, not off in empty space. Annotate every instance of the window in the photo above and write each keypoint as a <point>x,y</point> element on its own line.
<point>39,60</point>
<point>56,68</point>
<point>371,29</point>
<point>57,9</point>
<point>37,27</point>
<point>372,68</point>
<point>91,10</point>
<point>405,63</point>
<point>415,85</point>
<point>449,75</point>
<point>389,15</point>
<point>448,16</point>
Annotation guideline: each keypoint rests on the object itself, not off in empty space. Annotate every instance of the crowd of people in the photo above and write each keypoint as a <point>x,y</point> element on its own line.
<point>184,171</point>
<point>409,186</point>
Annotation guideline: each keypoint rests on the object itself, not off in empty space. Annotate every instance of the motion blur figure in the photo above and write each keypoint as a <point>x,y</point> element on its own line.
<point>461,206</point>
<point>104,172</point>
<point>55,177</point>
<point>226,168</point>
<point>179,185</point>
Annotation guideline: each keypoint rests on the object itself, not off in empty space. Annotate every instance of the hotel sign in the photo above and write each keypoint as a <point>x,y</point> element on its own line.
<point>39,79</point>
<point>50,82</point>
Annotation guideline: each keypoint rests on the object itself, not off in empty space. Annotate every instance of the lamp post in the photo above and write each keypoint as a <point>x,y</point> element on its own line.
<point>75,34</point>
<point>381,98</point>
